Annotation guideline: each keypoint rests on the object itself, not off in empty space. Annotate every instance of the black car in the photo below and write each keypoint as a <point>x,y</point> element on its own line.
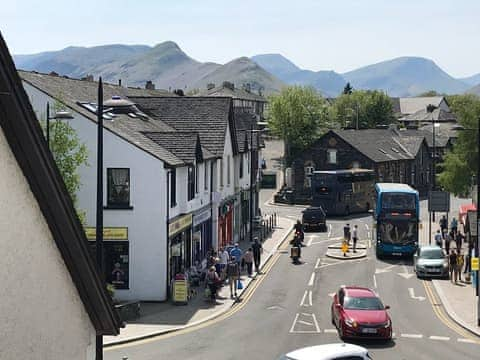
<point>314,218</point>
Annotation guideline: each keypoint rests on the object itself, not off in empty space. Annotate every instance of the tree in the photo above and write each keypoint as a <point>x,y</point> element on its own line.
<point>460,164</point>
<point>298,115</point>
<point>69,154</point>
<point>362,109</point>
<point>347,90</point>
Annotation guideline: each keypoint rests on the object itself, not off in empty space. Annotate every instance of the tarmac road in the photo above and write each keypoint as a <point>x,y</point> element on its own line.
<point>290,308</point>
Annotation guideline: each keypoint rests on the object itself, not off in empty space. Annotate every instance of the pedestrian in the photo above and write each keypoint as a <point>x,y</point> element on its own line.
<point>454,225</point>
<point>233,274</point>
<point>355,237</point>
<point>438,238</point>
<point>212,279</point>
<point>224,257</point>
<point>443,224</point>
<point>248,258</point>
<point>452,263</point>
<point>468,258</point>
<point>460,262</point>
<point>459,241</point>
<point>257,253</point>
<point>346,233</point>
<point>448,240</point>
<point>238,253</point>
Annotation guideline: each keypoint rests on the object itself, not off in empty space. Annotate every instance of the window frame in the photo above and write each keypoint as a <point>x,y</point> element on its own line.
<point>173,188</point>
<point>329,156</point>
<point>110,186</point>
<point>240,170</point>
<point>190,182</point>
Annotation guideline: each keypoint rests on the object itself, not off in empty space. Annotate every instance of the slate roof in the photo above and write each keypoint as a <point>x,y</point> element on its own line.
<point>381,145</point>
<point>71,91</point>
<point>25,137</point>
<point>413,104</point>
<point>438,114</point>
<point>236,93</point>
<point>208,116</point>
<point>185,145</point>
<point>244,122</point>
<point>443,133</point>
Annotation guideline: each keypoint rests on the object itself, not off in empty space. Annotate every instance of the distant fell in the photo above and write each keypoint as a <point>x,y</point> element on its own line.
<point>276,64</point>
<point>472,80</point>
<point>405,76</point>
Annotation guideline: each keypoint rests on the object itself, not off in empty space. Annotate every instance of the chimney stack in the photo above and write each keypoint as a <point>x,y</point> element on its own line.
<point>149,85</point>
<point>228,85</point>
<point>88,77</point>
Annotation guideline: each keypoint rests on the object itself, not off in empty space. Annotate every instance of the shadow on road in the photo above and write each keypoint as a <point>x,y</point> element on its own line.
<point>374,343</point>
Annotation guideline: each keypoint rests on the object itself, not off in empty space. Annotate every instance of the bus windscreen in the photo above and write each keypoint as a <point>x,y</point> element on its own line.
<point>399,232</point>
<point>398,201</point>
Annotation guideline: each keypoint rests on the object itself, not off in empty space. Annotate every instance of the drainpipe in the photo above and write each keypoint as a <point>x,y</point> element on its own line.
<point>169,171</point>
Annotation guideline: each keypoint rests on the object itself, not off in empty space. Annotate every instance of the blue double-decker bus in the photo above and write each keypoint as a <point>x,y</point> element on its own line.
<point>396,219</point>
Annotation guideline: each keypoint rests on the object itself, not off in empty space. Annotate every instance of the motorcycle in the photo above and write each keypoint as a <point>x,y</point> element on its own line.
<point>295,250</point>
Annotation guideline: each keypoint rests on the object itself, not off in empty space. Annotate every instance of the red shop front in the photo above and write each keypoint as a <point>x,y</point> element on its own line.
<point>225,224</point>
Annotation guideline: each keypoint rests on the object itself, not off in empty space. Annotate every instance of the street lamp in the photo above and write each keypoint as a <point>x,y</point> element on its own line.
<point>251,131</point>
<point>59,115</point>
<point>459,127</point>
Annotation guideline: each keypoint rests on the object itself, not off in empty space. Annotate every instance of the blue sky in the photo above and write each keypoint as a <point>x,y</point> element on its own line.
<point>336,35</point>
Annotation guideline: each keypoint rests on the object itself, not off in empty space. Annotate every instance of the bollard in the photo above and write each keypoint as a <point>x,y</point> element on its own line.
<point>275,219</point>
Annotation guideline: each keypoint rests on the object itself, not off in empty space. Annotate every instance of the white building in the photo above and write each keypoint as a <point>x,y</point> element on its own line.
<point>48,274</point>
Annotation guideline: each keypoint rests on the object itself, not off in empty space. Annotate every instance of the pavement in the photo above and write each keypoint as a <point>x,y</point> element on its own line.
<point>160,318</point>
<point>459,299</point>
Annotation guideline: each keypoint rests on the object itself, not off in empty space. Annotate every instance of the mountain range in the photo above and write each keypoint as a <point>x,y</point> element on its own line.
<point>168,67</point>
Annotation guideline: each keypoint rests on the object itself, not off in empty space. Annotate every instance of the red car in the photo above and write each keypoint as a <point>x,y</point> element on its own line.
<point>357,312</point>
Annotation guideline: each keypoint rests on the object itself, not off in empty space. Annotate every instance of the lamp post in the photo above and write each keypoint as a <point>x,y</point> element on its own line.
<point>251,131</point>
<point>99,209</point>
<point>59,115</point>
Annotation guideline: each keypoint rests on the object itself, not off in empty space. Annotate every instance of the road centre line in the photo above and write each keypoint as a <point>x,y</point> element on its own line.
<point>317,264</point>
<point>441,338</point>
<point>412,336</point>
<point>469,341</point>
<point>303,298</point>
<point>310,297</point>
<point>374,281</point>
<point>312,279</point>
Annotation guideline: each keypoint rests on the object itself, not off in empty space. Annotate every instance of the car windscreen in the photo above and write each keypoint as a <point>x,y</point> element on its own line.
<point>431,254</point>
<point>362,303</point>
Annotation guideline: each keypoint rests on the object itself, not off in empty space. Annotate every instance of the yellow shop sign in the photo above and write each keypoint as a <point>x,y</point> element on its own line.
<point>109,233</point>
<point>180,224</point>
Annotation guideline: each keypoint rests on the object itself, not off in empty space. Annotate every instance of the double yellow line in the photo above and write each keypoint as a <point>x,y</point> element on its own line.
<point>235,308</point>
<point>439,310</point>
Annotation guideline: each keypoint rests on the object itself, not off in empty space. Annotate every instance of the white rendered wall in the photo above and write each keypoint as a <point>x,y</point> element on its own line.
<point>41,311</point>
<point>146,222</point>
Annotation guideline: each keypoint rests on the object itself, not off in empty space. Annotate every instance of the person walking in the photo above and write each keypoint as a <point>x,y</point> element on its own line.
<point>468,258</point>
<point>237,253</point>
<point>454,225</point>
<point>212,279</point>
<point>452,263</point>
<point>459,241</point>
<point>355,237</point>
<point>346,233</point>
<point>443,224</point>
<point>248,258</point>
<point>448,240</point>
<point>460,261</point>
<point>224,257</point>
<point>257,250</point>
<point>438,238</point>
<point>233,274</point>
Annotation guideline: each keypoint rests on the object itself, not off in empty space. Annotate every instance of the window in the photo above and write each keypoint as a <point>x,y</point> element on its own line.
<point>332,156</point>
<point>228,170</point>
<point>191,182</point>
<point>173,188</point>
<point>118,188</point>
<point>241,166</point>
<point>205,175</point>
<point>221,173</point>
<point>197,173</point>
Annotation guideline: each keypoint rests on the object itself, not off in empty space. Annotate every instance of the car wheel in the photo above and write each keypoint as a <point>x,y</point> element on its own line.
<point>333,320</point>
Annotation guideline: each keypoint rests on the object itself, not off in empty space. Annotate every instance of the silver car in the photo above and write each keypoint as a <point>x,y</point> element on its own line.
<point>430,261</point>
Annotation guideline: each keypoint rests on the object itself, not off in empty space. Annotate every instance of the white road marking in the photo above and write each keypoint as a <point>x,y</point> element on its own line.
<point>441,338</point>
<point>312,279</point>
<point>374,281</point>
<point>304,322</point>
<point>470,341</point>
<point>329,230</point>
<point>412,336</point>
<point>303,298</point>
<point>405,273</point>
<point>294,322</point>
<point>412,295</point>
<point>330,331</point>
<point>331,294</point>
<point>316,323</point>
<point>310,301</point>
<point>310,241</point>
<point>317,264</point>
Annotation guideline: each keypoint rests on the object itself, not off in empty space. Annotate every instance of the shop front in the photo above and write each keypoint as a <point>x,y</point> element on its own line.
<point>180,240</point>
<point>225,223</point>
<point>115,254</point>
<point>202,234</point>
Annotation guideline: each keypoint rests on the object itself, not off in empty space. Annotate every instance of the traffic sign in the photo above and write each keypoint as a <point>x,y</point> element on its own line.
<point>439,201</point>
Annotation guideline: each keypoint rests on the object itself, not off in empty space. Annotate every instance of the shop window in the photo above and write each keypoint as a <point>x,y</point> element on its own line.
<point>191,182</point>
<point>118,188</point>
<point>332,156</point>
<point>173,188</point>
<point>116,260</point>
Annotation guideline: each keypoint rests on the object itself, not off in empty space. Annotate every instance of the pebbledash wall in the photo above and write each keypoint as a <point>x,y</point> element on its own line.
<point>41,293</point>
<point>145,221</point>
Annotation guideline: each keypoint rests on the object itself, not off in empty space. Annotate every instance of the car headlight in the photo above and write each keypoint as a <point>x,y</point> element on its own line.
<point>445,265</point>
<point>420,266</point>
<point>351,323</point>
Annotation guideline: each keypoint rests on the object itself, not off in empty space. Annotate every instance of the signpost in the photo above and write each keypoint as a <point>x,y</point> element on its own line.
<point>438,201</point>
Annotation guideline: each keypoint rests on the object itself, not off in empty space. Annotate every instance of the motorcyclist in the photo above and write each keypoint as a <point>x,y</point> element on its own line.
<point>299,231</point>
<point>297,242</point>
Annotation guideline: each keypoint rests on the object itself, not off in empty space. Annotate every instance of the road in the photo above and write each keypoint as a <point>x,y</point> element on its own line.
<point>289,307</point>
